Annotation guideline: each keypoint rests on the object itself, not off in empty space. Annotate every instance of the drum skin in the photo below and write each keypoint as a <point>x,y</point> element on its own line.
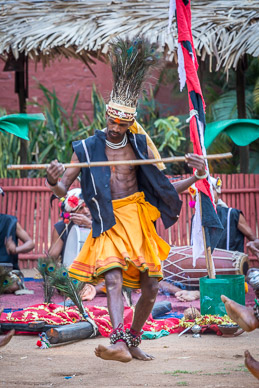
<point>76,238</point>
<point>178,266</point>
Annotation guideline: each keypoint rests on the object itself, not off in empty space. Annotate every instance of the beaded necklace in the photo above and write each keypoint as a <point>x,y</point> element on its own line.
<point>116,146</point>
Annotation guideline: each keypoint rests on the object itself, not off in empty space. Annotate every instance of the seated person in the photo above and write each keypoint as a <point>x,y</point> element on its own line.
<point>10,233</point>
<point>5,338</point>
<point>254,247</point>
<point>73,212</point>
<point>4,281</point>
<point>246,317</point>
<point>236,232</point>
<point>234,223</point>
<point>175,288</point>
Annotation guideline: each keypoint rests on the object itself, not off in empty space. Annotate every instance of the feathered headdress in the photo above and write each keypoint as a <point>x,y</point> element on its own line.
<point>130,61</point>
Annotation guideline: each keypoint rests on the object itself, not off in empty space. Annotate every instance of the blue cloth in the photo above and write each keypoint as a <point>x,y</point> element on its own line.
<point>95,183</point>
<point>170,315</point>
<point>10,310</point>
<point>8,229</point>
<point>211,223</point>
<point>33,280</point>
<point>236,238</point>
<point>154,335</point>
<point>178,284</point>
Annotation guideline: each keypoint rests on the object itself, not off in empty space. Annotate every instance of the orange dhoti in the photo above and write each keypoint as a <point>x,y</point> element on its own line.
<point>132,244</point>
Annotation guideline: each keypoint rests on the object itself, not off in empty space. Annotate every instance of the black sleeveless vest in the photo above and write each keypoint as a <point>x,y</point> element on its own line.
<point>7,229</point>
<point>95,183</point>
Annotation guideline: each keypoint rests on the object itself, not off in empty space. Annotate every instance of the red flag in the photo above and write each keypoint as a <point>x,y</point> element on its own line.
<point>189,69</point>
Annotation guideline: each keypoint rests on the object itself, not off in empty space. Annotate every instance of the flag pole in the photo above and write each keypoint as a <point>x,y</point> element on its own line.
<point>187,69</point>
<point>207,250</point>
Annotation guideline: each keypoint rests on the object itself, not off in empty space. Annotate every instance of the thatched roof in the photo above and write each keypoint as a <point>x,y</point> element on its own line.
<point>82,29</point>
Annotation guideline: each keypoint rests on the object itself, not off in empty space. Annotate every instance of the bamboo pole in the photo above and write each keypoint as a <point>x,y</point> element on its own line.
<point>137,162</point>
<point>207,250</point>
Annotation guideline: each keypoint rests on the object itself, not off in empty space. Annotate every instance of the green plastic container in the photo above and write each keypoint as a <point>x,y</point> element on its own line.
<point>233,286</point>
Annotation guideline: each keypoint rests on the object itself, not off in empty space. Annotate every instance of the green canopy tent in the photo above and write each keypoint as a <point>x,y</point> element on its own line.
<point>241,131</point>
<point>17,124</point>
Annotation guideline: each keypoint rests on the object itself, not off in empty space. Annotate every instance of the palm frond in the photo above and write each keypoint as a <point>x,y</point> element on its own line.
<point>225,107</point>
<point>44,30</point>
<point>256,96</point>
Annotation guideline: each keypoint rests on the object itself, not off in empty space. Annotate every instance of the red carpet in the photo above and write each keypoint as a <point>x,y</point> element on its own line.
<point>11,301</point>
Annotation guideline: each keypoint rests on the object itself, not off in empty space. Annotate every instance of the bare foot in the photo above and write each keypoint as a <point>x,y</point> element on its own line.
<point>251,364</point>
<point>243,316</point>
<point>136,352</point>
<point>116,352</point>
<point>4,339</point>
<point>187,296</point>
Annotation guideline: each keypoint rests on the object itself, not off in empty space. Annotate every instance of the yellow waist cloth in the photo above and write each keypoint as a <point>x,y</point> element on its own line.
<point>132,244</point>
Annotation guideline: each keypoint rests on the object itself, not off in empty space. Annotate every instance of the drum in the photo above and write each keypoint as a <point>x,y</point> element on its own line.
<point>74,243</point>
<point>178,266</point>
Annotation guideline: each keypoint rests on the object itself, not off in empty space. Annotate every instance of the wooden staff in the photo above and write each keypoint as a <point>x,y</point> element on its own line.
<point>207,250</point>
<point>137,162</point>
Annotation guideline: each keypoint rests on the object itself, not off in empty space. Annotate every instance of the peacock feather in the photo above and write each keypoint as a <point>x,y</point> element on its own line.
<point>68,286</point>
<point>46,266</point>
<point>5,279</point>
<point>130,61</point>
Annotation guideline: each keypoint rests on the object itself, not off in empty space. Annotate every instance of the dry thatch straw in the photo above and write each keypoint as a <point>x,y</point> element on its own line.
<point>82,29</point>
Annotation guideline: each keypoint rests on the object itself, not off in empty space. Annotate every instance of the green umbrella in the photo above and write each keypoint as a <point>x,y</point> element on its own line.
<point>18,123</point>
<point>241,131</point>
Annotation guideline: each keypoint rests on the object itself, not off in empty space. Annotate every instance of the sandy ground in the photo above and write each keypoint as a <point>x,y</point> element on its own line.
<point>209,361</point>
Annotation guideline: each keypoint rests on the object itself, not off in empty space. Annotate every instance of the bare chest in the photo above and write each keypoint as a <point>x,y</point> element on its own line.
<point>123,178</point>
<point>125,153</point>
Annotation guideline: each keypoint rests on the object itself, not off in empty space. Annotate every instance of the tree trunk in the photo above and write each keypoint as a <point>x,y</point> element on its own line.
<point>21,88</point>
<point>241,111</point>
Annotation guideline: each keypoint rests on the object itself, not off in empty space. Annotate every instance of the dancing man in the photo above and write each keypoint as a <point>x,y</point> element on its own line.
<point>125,201</point>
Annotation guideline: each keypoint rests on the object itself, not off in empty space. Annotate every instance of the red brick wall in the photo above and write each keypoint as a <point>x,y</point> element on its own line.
<point>70,76</point>
<point>67,77</point>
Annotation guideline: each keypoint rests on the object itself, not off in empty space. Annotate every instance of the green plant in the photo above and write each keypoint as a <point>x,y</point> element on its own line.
<point>185,372</point>
<point>165,130</point>
<point>168,134</point>
<point>225,107</point>
<point>52,139</point>
<point>99,109</point>
<point>220,96</point>
<point>9,151</point>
